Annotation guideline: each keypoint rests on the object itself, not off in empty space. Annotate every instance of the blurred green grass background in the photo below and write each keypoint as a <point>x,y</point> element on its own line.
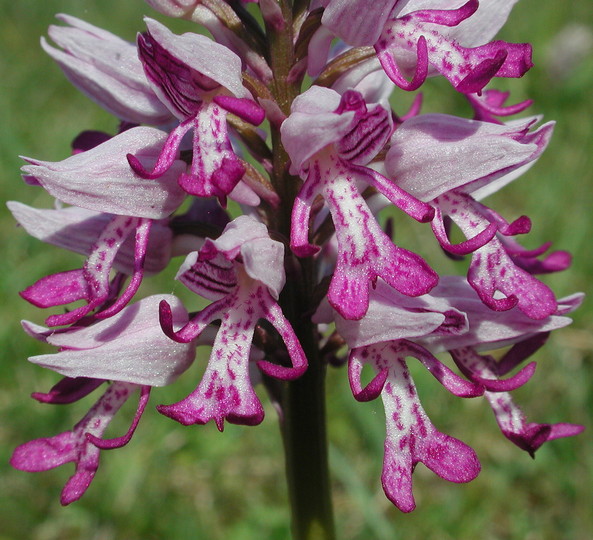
<point>175,483</point>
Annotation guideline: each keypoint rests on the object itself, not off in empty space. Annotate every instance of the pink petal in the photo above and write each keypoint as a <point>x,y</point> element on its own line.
<point>365,252</point>
<point>492,270</point>
<point>487,329</point>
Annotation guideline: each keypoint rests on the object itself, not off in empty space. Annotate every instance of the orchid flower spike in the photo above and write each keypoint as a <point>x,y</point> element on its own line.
<point>312,178</point>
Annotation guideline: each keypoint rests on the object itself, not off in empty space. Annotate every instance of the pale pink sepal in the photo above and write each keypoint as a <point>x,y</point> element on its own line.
<point>392,315</point>
<point>100,179</point>
<point>313,124</point>
<point>262,257</point>
<point>225,36</point>
<point>173,8</point>
<point>358,23</point>
<point>485,22</point>
<point>488,329</point>
<point>77,230</point>
<point>136,348</point>
<point>106,69</point>
<point>431,154</point>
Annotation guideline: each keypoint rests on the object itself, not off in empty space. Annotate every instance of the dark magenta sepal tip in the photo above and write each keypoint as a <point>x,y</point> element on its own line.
<point>68,390</point>
<point>244,108</point>
<point>281,372</point>
<point>373,389</point>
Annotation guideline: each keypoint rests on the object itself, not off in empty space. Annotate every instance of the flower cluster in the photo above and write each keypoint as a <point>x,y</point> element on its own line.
<point>306,268</point>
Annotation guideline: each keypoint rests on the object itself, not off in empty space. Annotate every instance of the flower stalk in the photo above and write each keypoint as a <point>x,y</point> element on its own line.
<point>303,423</point>
<point>304,432</point>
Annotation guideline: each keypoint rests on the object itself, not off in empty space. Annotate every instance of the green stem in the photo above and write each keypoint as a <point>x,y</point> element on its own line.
<point>305,444</point>
<point>303,403</point>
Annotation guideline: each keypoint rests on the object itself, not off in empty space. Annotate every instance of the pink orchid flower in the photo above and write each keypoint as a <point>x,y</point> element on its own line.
<point>242,272</point>
<point>200,82</point>
<point>100,180</point>
<point>420,38</point>
<point>451,163</point>
<point>130,349</point>
<point>329,139</point>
